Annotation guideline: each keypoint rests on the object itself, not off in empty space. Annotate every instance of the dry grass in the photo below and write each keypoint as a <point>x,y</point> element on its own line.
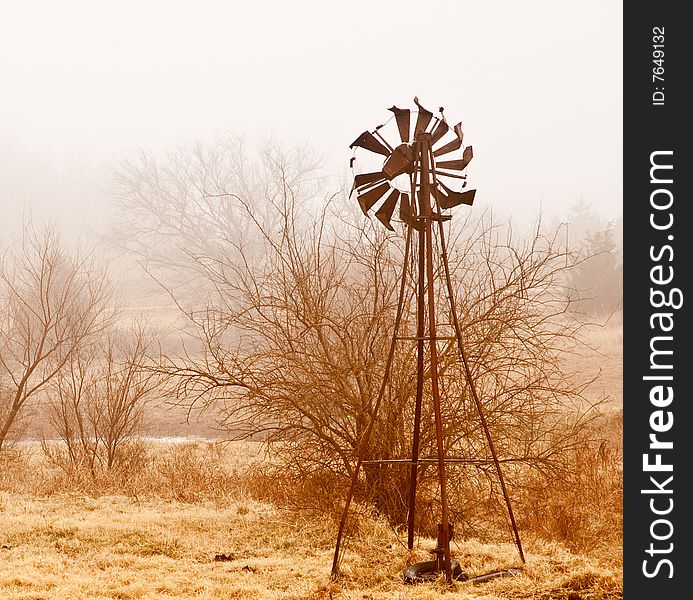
<point>153,532</point>
<point>74,546</point>
<point>195,501</point>
<point>605,357</point>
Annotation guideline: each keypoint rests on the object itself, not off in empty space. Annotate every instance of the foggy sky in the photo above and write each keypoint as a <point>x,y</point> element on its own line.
<point>537,85</point>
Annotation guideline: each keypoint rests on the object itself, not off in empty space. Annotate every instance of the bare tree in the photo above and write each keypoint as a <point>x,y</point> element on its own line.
<point>292,340</point>
<point>294,350</point>
<point>176,209</point>
<point>52,302</point>
<point>98,402</point>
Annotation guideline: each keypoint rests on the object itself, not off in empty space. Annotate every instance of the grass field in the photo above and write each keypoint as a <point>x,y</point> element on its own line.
<point>194,501</point>
<point>156,535</point>
<point>73,546</point>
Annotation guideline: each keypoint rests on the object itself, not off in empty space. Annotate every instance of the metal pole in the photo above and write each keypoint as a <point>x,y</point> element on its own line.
<point>425,211</point>
<point>420,326</point>
<point>472,387</point>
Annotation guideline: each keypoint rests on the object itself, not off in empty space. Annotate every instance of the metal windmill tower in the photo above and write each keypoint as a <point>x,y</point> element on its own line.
<point>415,176</point>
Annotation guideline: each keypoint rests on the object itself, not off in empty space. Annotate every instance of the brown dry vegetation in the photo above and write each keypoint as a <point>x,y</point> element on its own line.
<point>153,530</point>
<point>74,546</point>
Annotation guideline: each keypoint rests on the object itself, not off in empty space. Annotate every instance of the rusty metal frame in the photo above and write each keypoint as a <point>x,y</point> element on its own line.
<point>472,386</point>
<point>424,186</point>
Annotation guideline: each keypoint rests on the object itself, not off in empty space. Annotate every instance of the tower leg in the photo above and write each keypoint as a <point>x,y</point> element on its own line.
<point>470,381</point>
<point>420,331</point>
<point>426,213</point>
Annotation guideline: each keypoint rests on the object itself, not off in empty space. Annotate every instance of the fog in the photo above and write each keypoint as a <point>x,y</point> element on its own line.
<point>536,84</point>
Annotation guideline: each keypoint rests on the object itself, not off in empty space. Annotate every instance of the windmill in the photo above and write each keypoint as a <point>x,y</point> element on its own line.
<point>423,174</point>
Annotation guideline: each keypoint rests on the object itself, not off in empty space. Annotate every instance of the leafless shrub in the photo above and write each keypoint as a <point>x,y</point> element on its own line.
<point>51,303</point>
<point>316,493</point>
<point>583,507</point>
<point>293,338</point>
<point>97,406</point>
<point>195,472</point>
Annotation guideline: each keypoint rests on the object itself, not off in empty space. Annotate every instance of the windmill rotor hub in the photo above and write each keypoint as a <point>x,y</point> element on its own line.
<point>399,162</point>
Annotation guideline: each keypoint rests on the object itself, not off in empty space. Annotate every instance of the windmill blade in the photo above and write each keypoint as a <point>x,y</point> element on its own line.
<point>449,147</point>
<point>402,116</point>
<point>384,213</point>
<point>450,198</point>
<point>458,165</point>
<point>368,141</point>
<point>369,198</point>
<point>455,144</point>
<point>440,130</point>
<point>365,179</point>
<point>405,212</point>
<point>423,118</point>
